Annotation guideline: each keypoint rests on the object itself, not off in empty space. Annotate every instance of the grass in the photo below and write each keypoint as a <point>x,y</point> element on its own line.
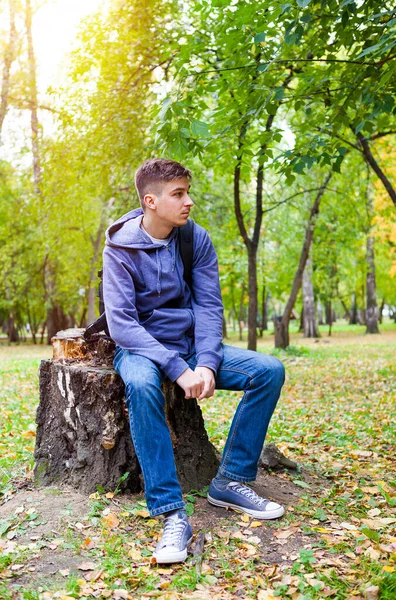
<point>336,418</point>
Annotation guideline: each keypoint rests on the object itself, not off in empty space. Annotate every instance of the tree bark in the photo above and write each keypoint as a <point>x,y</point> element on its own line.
<point>240,314</point>
<point>252,291</point>
<point>57,320</point>
<point>320,313</point>
<point>97,247</point>
<point>353,319</point>
<point>381,310</point>
<point>8,60</point>
<point>371,300</point>
<point>34,122</point>
<point>309,317</point>
<point>371,161</point>
<point>282,326</point>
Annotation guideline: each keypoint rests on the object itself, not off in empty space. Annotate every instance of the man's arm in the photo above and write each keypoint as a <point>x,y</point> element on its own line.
<point>123,321</point>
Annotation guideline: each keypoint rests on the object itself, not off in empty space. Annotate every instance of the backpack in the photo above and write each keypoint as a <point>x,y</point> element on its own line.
<point>185,236</point>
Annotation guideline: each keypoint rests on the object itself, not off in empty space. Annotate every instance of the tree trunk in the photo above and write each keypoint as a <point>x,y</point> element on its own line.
<point>371,300</point>
<point>329,313</point>
<point>57,320</point>
<point>309,317</point>
<point>381,310</point>
<point>8,60</point>
<point>264,310</point>
<point>34,122</point>
<point>97,248</point>
<point>225,336</point>
<point>371,161</point>
<point>240,314</point>
<point>252,290</point>
<point>320,313</point>
<point>13,335</point>
<point>353,320</point>
<point>282,326</point>
<point>83,436</point>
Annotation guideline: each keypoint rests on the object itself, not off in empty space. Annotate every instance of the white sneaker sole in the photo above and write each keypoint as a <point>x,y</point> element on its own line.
<point>258,514</point>
<point>174,557</point>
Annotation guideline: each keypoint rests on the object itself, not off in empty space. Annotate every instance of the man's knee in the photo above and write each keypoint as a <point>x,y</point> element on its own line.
<point>273,367</point>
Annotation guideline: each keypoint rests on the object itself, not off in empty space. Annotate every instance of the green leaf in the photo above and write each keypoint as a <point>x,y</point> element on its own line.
<point>260,37</point>
<point>303,3</point>
<point>372,535</point>
<point>301,484</point>
<point>189,509</point>
<point>199,128</point>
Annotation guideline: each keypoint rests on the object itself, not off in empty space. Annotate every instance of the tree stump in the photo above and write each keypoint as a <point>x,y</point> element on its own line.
<point>83,437</point>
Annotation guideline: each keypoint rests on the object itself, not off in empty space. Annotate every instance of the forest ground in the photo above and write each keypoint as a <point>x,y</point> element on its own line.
<point>336,418</point>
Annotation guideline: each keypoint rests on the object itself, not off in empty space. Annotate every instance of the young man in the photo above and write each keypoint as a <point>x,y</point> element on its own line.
<point>163,328</point>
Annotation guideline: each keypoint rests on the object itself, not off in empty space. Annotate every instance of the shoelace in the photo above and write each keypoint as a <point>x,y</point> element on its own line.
<point>173,532</point>
<point>249,493</point>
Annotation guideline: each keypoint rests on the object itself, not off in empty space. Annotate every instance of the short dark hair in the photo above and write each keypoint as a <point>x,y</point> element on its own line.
<point>157,170</point>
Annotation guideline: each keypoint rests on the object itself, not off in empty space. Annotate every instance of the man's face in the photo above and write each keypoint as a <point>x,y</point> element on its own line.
<point>172,204</point>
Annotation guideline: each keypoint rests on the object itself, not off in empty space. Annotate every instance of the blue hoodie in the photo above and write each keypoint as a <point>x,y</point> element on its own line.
<point>149,307</point>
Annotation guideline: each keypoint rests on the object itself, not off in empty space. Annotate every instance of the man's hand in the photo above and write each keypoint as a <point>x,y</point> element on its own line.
<point>192,383</point>
<point>209,382</point>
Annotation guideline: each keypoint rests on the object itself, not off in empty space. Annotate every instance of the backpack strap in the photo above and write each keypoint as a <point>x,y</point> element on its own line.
<point>186,248</point>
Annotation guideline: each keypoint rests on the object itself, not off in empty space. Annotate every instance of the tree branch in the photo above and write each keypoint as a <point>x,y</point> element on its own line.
<point>368,155</point>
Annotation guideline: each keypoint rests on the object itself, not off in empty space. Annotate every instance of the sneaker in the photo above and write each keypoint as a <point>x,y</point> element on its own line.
<point>242,498</point>
<point>177,536</point>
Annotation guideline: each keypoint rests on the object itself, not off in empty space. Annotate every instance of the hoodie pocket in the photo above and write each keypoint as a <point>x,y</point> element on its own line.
<point>169,324</point>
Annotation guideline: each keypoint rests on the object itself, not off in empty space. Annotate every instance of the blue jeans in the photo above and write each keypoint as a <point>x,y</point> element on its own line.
<point>261,378</point>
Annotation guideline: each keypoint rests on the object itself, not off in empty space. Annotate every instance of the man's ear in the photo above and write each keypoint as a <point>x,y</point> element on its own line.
<point>149,201</point>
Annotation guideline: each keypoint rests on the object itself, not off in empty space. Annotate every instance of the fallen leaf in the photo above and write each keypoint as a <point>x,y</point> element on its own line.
<point>256,524</point>
<point>250,550</point>
<point>121,594</point>
<point>109,495</point>
<point>284,534</point>
<point>110,521</point>
<point>64,572</point>
<point>349,526</point>
<point>388,569</point>
<point>372,592</point>
<point>374,512</point>
<point>266,595</point>
<point>142,513</point>
<point>135,555</point>
<point>87,566</point>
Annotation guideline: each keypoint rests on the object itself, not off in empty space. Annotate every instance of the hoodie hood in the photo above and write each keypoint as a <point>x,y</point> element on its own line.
<point>127,233</point>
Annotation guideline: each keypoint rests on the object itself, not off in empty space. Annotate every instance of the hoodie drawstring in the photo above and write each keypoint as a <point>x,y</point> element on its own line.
<point>157,256</point>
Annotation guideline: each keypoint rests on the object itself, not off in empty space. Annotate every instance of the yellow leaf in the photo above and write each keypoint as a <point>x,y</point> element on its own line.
<point>134,554</point>
<point>164,585</point>
<point>245,518</point>
<point>256,524</point>
<point>142,513</point>
<point>251,550</point>
<point>110,521</point>
<point>265,595</point>
<point>110,495</point>
<point>388,569</point>
<point>28,434</point>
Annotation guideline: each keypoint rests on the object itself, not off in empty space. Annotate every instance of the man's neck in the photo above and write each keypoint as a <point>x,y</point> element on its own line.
<point>160,231</point>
